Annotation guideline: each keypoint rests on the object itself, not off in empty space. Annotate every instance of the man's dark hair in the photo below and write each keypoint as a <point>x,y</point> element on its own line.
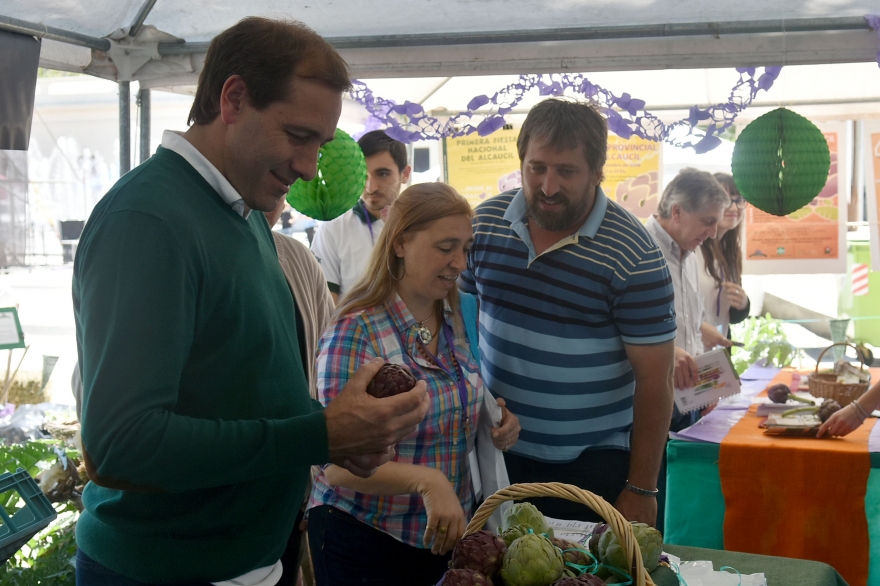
<point>377,141</point>
<point>564,125</point>
<point>267,54</point>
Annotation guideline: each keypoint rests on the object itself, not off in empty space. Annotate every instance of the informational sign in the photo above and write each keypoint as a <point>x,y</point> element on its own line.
<point>811,239</point>
<point>11,335</point>
<point>872,189</point>
<point>632,174</point>
<point>479,167</point>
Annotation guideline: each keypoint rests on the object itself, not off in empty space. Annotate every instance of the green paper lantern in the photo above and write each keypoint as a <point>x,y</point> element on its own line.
<point>780,162</point>
<point>342,174</point>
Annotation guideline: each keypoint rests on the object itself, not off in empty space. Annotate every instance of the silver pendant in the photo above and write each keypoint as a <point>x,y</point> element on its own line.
<point>425,335</point>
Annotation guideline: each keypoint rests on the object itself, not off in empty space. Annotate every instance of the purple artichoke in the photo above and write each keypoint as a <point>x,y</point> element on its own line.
<point>582,580</point>
<point>595,536</point>
<point>482,551</point>
<point>462,577</point>
<point>391,380</point>
<point>828,408</point>
<point>780,393</point>
<point>572,553</point>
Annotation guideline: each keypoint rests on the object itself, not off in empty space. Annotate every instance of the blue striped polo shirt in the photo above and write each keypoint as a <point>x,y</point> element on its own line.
<point>553,327</point>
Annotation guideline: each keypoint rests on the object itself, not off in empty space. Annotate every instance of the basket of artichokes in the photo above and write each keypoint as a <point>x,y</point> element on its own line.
<point>621,528</point>
<point>825,385</point>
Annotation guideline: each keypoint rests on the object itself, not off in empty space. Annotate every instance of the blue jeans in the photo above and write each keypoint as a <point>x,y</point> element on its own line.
<point>91,573</point>
<point>346,551</point>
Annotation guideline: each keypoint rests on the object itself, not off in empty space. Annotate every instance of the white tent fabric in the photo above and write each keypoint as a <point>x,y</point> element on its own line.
<point>415,38</point>
<point>201,20</point>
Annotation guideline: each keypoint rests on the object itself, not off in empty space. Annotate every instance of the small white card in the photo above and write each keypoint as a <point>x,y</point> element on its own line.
<point>717,380</point>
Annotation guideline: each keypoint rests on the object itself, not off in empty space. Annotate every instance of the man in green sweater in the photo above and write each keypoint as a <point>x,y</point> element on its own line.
<point>197,426</point>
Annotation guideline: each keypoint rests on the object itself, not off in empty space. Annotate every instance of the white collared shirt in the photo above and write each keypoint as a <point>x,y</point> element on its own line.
<point>684,270</point>
<point>175,141</point>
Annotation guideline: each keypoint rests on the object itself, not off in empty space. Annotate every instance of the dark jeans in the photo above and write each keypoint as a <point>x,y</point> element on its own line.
<point>602,472</point>
<point>91,573</point>
<point>346,551</point>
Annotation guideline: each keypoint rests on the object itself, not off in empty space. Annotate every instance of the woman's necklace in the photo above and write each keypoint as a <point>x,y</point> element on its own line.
<point>423,332</point>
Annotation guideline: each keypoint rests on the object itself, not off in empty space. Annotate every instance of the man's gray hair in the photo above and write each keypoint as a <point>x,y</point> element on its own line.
<point>693,190</point>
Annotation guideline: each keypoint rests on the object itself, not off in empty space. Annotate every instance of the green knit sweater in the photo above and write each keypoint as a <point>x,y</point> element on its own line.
<point>193,382</point>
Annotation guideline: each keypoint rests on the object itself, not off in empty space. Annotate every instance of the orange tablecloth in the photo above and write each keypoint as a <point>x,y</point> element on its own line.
<point>797,497</point>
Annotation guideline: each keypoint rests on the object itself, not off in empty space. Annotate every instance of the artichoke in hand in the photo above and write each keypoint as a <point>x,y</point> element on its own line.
<point>828,408</point>
<point>780,393</point>
<point>392,379</point>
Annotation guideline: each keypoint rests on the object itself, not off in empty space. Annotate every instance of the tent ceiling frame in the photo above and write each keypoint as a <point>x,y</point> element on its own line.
<point>715,29</point>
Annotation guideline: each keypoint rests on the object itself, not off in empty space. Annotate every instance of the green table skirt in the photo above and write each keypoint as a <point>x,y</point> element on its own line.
<point>695,505</point>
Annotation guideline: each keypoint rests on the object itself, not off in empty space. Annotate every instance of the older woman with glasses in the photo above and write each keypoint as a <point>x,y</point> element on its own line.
<point>724,299</point>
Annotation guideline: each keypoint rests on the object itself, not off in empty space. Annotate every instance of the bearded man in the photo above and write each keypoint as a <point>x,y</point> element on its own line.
<point>577,321</point>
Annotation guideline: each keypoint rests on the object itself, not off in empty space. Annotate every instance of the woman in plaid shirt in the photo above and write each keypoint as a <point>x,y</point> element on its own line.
<point>400,525</point>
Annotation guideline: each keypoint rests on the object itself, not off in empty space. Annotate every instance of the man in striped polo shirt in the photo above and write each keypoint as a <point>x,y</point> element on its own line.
<point>577,322</point>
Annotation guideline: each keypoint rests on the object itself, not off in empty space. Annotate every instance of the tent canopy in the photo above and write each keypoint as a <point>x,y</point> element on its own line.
<point>415,38</point>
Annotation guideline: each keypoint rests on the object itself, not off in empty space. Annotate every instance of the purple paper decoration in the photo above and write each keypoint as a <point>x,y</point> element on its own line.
<point>874,23</point>
<point>626,115</point>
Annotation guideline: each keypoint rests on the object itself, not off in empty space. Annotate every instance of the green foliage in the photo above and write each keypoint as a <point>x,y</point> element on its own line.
<point>764,341</point>
<point>45,559</point>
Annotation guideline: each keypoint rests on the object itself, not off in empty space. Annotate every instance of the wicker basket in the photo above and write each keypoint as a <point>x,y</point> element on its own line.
<point>827,387</point>
<point>615,520</point>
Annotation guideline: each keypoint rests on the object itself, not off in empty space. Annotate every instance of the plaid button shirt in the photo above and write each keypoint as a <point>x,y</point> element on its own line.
<point>441,439</point>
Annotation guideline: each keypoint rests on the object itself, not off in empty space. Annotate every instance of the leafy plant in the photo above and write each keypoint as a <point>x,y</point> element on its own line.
<point>764,341</point>
<point>46,558</point>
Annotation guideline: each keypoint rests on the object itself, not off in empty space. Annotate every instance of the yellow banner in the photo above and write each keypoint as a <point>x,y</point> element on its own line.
<point>632,174</point>
<point>482,167</point>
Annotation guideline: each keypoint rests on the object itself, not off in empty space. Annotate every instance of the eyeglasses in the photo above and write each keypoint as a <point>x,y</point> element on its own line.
<point>739,202</point>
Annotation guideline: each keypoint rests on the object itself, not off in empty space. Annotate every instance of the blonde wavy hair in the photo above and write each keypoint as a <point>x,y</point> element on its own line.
<point>413,211</point>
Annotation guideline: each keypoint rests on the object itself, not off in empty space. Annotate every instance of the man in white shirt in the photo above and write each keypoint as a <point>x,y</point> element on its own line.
<point>343,245</point>
<point>688,213</point>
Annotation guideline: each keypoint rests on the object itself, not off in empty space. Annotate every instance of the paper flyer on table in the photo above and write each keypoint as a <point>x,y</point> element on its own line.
<point>717,380</point>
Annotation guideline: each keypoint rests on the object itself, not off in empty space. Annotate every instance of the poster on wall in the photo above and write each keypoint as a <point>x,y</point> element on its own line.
<point>811,239</point>
<point>480,167</point>
<point>632,174</point>
<point>872,188</point>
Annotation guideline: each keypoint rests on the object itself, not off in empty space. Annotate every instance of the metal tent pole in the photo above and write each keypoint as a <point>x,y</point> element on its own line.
<point>124,127</point>
<point>143,99</point>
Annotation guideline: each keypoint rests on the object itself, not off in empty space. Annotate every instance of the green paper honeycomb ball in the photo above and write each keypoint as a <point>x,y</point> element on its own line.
<point>780,162</point>
<point>342,174</point>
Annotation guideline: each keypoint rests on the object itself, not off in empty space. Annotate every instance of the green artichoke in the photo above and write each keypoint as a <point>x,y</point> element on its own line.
<point>462,577</point>
<point>513,533</point>
<point>482,551</point>
<point>342,174</point>
<point>532,560</point>
<point>529,515</point>
<point>650,543</point>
